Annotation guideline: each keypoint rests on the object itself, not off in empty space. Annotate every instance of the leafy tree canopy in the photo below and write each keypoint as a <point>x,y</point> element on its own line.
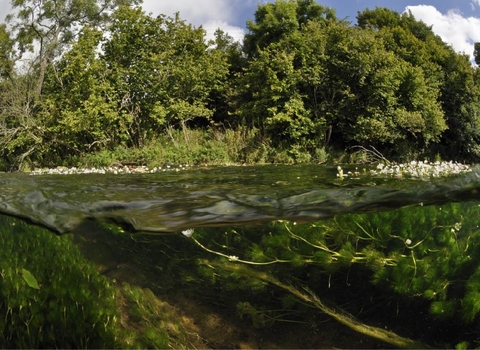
<point>99,74</point>
<point>275,21</point>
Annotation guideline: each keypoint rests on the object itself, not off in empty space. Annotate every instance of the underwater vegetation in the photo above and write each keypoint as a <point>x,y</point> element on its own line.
<point>408,277</point>
<point>425,258</point>
<point>52,297</point>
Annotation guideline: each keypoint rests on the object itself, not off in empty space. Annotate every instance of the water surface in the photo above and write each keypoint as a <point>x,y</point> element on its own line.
<point>173,201</point>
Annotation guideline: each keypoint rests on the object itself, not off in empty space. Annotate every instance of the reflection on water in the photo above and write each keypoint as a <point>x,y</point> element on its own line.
<point>270,248</point>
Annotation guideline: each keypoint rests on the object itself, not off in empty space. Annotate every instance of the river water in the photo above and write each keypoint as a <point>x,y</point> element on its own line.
<point>127,225</point>
<point>173,201</point>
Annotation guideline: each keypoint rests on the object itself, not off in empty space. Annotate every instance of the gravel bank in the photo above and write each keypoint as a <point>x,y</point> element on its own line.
<point>122,169</point>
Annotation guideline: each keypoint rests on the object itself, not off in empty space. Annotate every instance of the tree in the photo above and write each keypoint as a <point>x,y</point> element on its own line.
<point>325,81</point>
<point>7,61</point>
<point>476,53</point>
<point>416,43</point>
<point>461,102</point>
<point>272,96</point>
<point>48,25</point>
<point>20,133</point>
<point>273,102</point>
<point>81,100</point>
<point>161,70</point>
<point>220,100</point>
<point>383,100</point>
<point>378,18</point>
<point>279,20</point>
<point>41,32</point>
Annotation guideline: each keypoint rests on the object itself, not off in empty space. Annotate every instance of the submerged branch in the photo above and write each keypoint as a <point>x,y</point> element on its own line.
<point>340,315</point>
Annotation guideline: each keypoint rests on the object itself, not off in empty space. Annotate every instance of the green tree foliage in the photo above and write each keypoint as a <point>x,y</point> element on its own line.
<point>18,135</point>
<point>21,135</point>
<point>42,31</point>
<point>416,43</point>
<point>81,100</point>
<point>104,74</point>
<point>279,20</point>
<point>274,98</point>
<point>314,80</point>
<point>126,94</point>
<point>461,102</point>
<point>221,98</point>
<point>274,103</point>
<point>53,23</point>
<point>383,99</point>
<point>476,53</point>
<point>6,53</point>
<point>161,70</point>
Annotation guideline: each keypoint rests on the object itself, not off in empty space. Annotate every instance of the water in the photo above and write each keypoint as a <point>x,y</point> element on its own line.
<point>247,244</point>
<point>173,201</point>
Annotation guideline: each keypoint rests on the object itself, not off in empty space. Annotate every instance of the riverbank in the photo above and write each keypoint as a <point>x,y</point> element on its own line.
<point>413,169</point>
<point>181,149</point>
<point>187,146</point>
<point>196,147</point>
<point>113,169</point>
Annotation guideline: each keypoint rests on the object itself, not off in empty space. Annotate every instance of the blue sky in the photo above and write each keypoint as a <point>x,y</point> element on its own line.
<point>457,22</point>
<point>350,7</point>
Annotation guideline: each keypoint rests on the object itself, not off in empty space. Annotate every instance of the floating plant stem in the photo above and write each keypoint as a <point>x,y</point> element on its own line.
<point>232,258</point>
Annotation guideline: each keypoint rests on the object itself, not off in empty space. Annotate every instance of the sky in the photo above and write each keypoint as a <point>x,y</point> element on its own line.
<point>457,22</point>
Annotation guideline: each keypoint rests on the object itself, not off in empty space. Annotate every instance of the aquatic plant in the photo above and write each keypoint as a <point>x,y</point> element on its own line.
<point>50,296</point>
<point>148,322</point>
<point>414,169</point>
<point>427,254</point>
<point>336,313</point>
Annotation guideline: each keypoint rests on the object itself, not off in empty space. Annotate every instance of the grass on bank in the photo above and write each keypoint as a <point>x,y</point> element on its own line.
<point>212,146</point>
<point>217,146</point>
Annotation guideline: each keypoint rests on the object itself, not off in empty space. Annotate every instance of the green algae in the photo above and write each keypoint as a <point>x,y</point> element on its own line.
<point>51,297</point>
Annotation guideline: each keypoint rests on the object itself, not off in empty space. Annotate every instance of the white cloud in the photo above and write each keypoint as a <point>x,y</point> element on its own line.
<point>476,2</point>
<point>211,14</point>
<point>211,26</point>
<point>459,31</point>
<point>193,11</point>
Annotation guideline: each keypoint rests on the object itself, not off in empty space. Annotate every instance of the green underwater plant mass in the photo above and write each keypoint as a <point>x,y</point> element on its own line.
<point>423,257</point>
<point>402,275</point>
<point>52,297</point>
